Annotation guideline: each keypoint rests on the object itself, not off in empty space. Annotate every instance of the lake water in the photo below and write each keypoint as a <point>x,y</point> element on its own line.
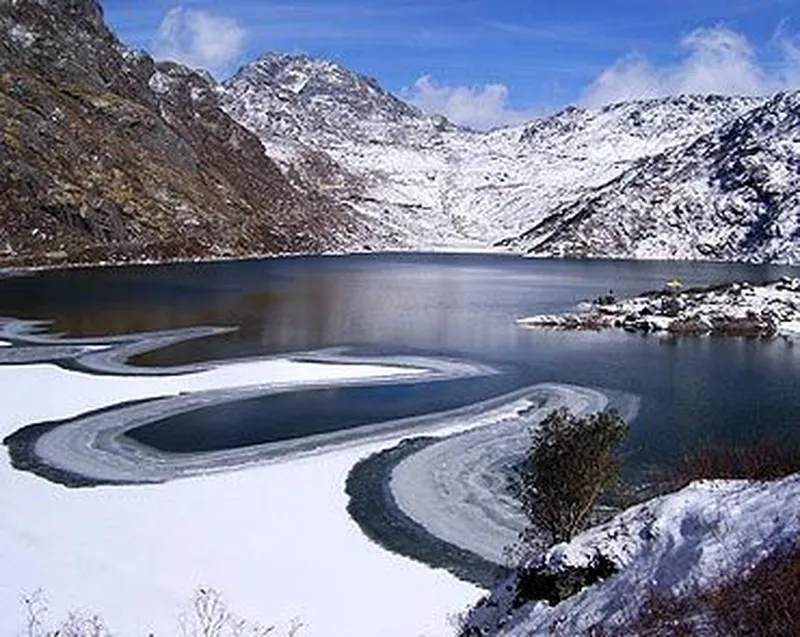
<point>693,390</point>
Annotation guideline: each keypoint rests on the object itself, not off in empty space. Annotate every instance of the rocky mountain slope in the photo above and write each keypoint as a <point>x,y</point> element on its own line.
<point>425,183</point>
<point>731,194</point>
<point>326,124</point>
<point>107,155</point>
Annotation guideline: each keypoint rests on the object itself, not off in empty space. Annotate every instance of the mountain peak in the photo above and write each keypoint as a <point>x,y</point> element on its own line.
<point>305,97</point>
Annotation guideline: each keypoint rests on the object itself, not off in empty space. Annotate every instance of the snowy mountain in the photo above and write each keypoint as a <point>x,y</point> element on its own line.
<point>113,156</point>
<point>731,194</point>
<point>424,183</point>
<point>341,130</point>
<point>307,99</point>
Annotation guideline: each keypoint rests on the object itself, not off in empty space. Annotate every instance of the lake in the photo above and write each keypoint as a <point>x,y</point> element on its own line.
<point>693,391</point>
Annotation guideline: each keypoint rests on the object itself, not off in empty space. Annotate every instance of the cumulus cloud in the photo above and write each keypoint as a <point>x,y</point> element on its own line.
<point>199,39</point>
<point>477,107</point>
<point>717,60</point>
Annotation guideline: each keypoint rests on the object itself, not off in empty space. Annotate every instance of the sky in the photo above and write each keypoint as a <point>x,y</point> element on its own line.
<point>486,63</point>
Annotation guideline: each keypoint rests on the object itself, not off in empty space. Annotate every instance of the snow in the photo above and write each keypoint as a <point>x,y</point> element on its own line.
<point>790,328</point>
<point>456,488</point>
<point>687,177</point>
<point>160,83</point>
<point>729,193</point>
<point>675,544</point>
<point>22,35</point>
<point>425,186</point>
<point>773,306</point>
<point>275,540</point>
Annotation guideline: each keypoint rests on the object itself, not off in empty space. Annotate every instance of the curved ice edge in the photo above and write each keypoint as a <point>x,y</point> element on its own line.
<point>22,453</point>
<point>100,355</point>
<point>372,506</point>
<point>444,501</point>
<point>92,449</point>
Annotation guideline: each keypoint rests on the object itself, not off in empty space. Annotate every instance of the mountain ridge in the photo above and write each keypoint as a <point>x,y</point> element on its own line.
<point>734,192</point>
<point>440,186</point>
<point>111,156</point>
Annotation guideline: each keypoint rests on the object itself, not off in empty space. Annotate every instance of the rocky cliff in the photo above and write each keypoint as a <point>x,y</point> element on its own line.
<point>109,156</point>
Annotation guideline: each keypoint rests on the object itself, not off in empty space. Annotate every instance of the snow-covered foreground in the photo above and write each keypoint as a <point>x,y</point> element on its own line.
<point>275,540</point>
<point>677,544</point>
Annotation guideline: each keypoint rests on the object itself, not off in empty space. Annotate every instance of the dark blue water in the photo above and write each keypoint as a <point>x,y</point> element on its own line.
<point>693,390</point>
<point>291,415</point>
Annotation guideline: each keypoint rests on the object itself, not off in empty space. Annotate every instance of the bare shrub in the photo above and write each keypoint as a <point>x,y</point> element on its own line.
<point>571,462</point>
<point>207,616</point>
<point>75,625</point>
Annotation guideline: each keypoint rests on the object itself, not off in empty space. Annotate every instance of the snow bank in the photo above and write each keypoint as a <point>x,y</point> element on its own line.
<point>675,544</point>
<point>276,540</point>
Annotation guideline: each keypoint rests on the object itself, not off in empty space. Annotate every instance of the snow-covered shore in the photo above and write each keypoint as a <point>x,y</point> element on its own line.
<point>457,488</point>
<point>677,544</point>
<point>272,539</point>
<point>444,500</point>
<point>737,309</point>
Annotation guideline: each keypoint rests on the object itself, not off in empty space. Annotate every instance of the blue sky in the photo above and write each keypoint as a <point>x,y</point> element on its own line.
<point>492,61</point>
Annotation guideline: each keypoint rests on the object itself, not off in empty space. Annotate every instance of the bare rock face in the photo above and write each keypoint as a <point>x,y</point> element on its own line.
<point>107,155</point>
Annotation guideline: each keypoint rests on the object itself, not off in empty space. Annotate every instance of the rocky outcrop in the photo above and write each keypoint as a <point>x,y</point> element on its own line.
<point>735,309</point>
<point>109,156</point>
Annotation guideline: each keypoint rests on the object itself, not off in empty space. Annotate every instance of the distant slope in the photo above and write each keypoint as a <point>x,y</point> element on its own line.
<point>425,183</point>
<point>109,156</point>
<point>731,194</point>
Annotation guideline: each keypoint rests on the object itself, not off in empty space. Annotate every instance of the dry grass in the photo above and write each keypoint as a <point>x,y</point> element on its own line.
<point>762,603</point>
<point>767,459</point>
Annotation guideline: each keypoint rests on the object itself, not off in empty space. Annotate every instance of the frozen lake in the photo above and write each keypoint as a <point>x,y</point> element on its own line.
<point>382,309</point>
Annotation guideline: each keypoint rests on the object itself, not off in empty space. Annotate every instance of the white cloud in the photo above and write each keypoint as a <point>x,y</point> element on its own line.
<point>199,39</point>
<point>790,51</point>
<point>718,60</point>
<point>476,107</point>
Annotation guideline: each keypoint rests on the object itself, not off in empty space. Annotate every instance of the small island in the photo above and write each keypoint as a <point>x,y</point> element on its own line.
<point>732,309</point>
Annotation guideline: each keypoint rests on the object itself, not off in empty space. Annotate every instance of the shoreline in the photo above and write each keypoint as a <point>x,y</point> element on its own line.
<point>373,507</point>
<point>444,501</point>
<point>16,268</point>
<point>11,269</point>
<point>738,309</point>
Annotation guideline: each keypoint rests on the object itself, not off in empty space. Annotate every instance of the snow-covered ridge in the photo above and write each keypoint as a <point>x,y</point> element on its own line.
<point>700,537</point>
<point>737,309</point>
<point>732,193</point>
<point>422,183</point>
